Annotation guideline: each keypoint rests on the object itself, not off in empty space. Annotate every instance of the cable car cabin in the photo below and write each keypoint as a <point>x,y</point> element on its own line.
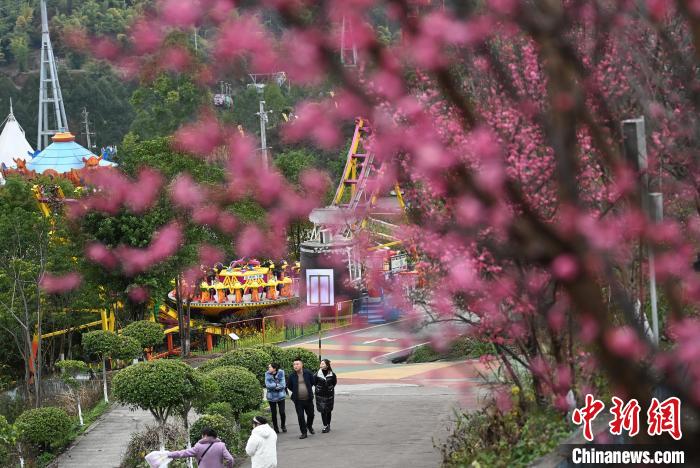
<point>223,100</point>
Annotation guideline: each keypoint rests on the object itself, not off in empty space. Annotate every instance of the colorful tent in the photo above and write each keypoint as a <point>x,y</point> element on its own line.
<point>13,144</point>
<point>63,155</point>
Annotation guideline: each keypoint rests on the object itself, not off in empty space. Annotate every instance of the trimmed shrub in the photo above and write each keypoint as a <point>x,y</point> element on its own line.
<point>224,429</point>
<point>255,360</point>
<point>276,353</point>
<point>238,387</point>
<point>221,408</point>
<point>210,365</point>
<point>129,348</point>
<point>46,428</point>
<point>157,386</point>
<point>246,420</point>
<point>148,440</point>
<point>100,343</point>
<point>309,358</point>
<point>147,333</point>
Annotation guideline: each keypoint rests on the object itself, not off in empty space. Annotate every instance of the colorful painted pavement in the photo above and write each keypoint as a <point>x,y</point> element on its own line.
<point>364,357</point>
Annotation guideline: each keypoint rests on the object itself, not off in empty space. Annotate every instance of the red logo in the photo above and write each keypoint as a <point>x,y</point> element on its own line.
<point>665,417</point>
<point>587,414</point>
<point>625,416</point>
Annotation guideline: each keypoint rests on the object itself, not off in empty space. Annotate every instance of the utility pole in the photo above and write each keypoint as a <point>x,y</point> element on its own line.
<point>86,126</point>
<point>263,133</point>
<point>348,48</point>
<point>49,88</point>
<point>635,151</point>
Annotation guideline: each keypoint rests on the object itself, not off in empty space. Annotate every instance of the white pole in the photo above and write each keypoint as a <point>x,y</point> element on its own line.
<point>656,202</point>
<point>104,379</point>
<point>263,135</point>
<point>80,413</point>
<point>652,293</point>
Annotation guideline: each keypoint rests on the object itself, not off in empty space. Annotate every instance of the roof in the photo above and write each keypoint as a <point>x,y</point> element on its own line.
<point>63,155</point>
<point>13,144</point>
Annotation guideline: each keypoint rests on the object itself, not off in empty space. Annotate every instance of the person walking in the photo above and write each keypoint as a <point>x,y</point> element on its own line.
<point>276,393</point>
<point>262,444</point>
<point>325,381</point>
<point>210,451</point>
<point>301,384</point>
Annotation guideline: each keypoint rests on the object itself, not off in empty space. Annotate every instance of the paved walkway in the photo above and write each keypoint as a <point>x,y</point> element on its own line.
<point>375,425</point>
<point>105,442</point>
<point>386,415</point>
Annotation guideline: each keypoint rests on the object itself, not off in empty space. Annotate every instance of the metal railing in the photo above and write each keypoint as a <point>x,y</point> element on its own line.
<point>279,328</point>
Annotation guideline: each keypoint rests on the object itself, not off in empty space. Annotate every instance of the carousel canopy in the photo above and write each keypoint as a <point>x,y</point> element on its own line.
<point>63,155</point>
<point>13,144</point>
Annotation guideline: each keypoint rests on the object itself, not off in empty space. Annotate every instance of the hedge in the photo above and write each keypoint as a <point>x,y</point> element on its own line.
<point>47,427</point>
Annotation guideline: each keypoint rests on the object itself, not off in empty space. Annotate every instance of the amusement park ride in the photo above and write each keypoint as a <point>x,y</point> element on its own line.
<point>226,292</point>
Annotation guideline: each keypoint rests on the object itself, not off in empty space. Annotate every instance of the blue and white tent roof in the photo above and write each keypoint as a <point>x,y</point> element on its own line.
<point>63,155</point>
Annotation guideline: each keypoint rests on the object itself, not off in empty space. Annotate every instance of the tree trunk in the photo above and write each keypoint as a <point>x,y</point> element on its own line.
<point>188,333</point>
<point>187,431</point>
<point>104,379</point>
<point>180,318</point>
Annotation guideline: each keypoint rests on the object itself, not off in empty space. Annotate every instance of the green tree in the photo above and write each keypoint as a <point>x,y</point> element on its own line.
<point>145,332</point>
<point>165,104</point>
<point>19,45</point>
<point>129,348</point>
<point>293,162</point>
<point>69,370</point>
<point>103,344</point>
<point>161,387</point>
<point>133,230</point>
<point>237,386</point>
<point>24,259</point>
<point>8,438</point>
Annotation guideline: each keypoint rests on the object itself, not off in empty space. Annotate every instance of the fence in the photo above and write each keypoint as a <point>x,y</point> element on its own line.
<point>279,328</point>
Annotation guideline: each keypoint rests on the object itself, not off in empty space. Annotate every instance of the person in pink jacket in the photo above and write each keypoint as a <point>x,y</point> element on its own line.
<point>210,452</point>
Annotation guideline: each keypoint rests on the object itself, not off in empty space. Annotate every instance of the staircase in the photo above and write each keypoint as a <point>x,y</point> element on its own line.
<point>375,310</point>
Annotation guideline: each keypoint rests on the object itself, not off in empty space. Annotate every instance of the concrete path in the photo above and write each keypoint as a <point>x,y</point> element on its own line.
<point>386,415</point>
<point>374,425</point>
<point>105,442</point>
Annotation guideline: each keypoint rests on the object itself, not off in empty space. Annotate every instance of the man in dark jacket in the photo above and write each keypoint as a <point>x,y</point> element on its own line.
<point>301,383</point>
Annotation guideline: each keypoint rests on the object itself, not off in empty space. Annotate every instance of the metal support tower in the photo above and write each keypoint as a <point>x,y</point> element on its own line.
<point>49,89</point>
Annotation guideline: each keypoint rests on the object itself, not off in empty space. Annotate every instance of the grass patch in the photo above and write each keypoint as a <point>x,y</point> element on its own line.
<point>461,348</point>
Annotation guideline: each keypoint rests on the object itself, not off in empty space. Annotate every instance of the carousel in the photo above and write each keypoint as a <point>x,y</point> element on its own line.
<point>244,285</point>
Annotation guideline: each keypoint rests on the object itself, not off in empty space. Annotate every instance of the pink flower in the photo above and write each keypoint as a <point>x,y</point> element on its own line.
<point>99,253</point>
<point>624,342</point>
<point>139,294</point>
<point>185,192</point>
<point>146,37</point>
<point>210,255</point>
<point>144,191</point>
<point>181,13</point>
<point>60,284</point>
<point>505,7</point>
<point>565,267</point>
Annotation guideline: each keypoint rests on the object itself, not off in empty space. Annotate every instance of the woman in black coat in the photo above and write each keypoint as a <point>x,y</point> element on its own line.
<point>325,380</point>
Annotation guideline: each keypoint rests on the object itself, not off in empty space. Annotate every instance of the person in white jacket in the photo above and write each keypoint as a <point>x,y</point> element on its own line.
<point>262,444</point>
